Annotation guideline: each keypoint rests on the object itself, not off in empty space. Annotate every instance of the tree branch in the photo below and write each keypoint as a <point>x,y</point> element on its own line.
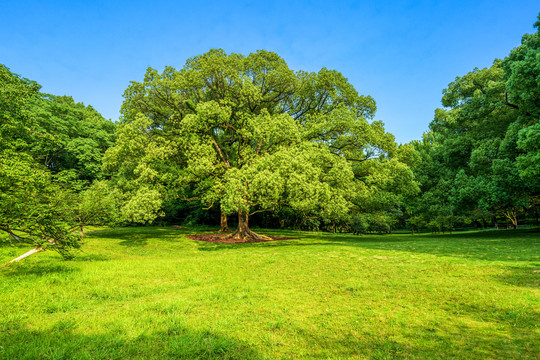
<point>259,147</point>
<point>358,160</point>
<point>218,149</point>
<point>259,211</point>
<point>509,104</point>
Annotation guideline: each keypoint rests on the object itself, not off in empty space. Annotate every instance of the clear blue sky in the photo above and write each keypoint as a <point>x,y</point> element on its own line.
<point>403,53</point>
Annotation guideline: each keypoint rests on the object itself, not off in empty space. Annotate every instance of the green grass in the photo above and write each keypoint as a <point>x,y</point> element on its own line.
<point>143,293</point>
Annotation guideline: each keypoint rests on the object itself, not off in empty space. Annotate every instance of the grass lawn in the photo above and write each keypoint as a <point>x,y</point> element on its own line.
<point>143,293</point>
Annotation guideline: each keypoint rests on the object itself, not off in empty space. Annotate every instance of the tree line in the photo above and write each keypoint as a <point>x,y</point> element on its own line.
<point>242,140</point>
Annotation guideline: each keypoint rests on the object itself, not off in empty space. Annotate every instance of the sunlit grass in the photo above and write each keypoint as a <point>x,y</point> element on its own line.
<point>151,293</point>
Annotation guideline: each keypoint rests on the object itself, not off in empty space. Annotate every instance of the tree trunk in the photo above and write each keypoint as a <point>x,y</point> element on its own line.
<point>27,254</point>
<point>243,224</point>
<point>224,227</point>
<point>243,232</point>
<point>512,215</point>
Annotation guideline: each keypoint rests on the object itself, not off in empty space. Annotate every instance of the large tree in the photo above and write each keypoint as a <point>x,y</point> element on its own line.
<point>247,133</point>
<point>34,209</point>
<point>476,149</point>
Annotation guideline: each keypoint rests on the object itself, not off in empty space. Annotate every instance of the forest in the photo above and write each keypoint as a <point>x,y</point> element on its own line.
<point>243,141</point>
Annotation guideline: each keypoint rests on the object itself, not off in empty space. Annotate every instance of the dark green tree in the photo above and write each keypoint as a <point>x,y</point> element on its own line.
<point>483,159</point>
<point>522,74</point>
<point>70,138</point>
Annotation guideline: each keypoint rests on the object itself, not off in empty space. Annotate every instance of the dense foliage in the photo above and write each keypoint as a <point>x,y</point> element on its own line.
<point>250,134</point>
<point>51,149</point>
<point>480,162</point>
<point>229,134</point>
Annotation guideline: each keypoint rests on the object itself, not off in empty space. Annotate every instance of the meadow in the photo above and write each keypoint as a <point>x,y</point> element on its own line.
<point>151,293</point>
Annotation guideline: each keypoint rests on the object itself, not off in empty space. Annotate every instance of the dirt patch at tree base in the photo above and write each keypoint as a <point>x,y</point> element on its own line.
<point>226,239</point>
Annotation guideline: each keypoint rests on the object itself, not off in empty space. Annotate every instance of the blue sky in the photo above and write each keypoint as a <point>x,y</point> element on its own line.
<point>402,53</point>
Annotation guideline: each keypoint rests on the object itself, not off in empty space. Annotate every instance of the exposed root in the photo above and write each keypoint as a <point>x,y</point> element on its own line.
<point>226,239</point>
<point>248,235</point>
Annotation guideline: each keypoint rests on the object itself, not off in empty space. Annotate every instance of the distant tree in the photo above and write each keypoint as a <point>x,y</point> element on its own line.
<point>17,120</point>
<point>70,139</point>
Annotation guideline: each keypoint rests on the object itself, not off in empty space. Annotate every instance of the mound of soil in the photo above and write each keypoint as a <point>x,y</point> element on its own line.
<point>223,238</point>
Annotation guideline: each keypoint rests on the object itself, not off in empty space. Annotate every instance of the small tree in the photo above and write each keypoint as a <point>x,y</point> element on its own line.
<point>34,210</point>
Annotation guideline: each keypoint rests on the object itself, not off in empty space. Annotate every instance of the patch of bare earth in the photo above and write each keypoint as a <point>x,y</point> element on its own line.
<point>226,239</point>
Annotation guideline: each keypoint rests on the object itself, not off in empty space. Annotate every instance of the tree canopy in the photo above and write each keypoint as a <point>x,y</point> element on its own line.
<point>249,134</point>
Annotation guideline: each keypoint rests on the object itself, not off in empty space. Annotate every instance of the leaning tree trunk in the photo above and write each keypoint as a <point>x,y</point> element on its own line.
<point>27,254</point>
<point>224,227</point>
<point>37,249</point>
<point>243,232</point>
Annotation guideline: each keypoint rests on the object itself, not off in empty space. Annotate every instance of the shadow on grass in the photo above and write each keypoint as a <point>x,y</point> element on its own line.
<point>490,245</point>
<point>512,337</point>
<point>84,257</point>
<point>522,276</point>
<point>520,245</point>
<point>139,236</point>
<point>38,269</point>
<point>430,341</point>
<point>62,342</point>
